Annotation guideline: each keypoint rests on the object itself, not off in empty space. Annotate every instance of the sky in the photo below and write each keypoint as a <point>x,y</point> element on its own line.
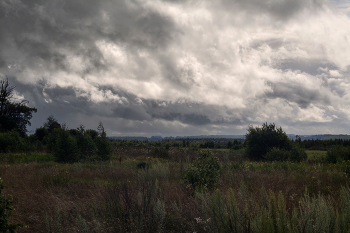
<point>180,68</point>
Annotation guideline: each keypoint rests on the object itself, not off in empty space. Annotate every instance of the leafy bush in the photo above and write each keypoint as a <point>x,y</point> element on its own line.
<point>66,149</point>
<point>259,141</point>
<point>204,172</point>
<point>11,141</point>
<point>338,153</point>
<point>5,212</point>
<point>50,139</point>
<point>87,147</point>
<point>40,133</point>
<point>276,154</point>
<point>104,148</point>
<point>297,154</point>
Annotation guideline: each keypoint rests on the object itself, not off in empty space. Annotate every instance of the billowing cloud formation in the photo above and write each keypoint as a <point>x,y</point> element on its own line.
<point>180,67</point>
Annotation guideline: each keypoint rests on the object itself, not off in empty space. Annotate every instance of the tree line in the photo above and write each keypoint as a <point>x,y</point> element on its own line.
<point>67,145</point>
<point>71,145</point>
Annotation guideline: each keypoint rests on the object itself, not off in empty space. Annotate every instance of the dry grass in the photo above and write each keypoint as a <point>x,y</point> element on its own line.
<point>52,196</point>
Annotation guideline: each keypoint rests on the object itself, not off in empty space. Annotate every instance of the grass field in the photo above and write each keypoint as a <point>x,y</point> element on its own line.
<point>116,196</point>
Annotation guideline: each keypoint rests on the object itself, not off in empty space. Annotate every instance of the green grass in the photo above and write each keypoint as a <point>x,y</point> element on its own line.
<point>17,158</point>
<point>316,152</point>
<point>316,156</point>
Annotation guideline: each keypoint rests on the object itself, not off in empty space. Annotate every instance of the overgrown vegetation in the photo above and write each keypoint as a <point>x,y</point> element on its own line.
<point>204,172</point>
<point>6,212</point>
<point>147,194</point>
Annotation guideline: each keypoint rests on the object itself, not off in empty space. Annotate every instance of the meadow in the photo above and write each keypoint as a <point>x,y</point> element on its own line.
<point>136,191</point>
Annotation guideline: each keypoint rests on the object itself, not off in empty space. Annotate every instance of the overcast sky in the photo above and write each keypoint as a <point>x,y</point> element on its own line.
<point>180,67</point>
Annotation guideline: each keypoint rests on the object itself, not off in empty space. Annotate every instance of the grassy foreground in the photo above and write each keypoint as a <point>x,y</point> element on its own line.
<point>116,196</point>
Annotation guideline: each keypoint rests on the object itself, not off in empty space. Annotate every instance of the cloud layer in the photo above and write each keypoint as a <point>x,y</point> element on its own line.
<point>180,67</point>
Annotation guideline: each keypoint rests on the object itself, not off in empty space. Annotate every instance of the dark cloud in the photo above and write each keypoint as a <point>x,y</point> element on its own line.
<point>279,9</point>
<point>177,67</point>
<point>298,94</point>
<point>44,30</point>
<point>308,66</point>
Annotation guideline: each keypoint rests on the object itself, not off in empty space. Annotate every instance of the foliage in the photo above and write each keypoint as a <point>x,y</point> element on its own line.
<point>259,141</point>
<point>66,148</point>
<point>50,139</point>
<point>41,133</point>
<point>204,172</point>
<point>296,154</point>
<point>13,115</point>
<point>12,142</point>
<point>86,145</point>
<point>51,124</point>
<point>322,144</point>
<point>72,145</point>
<point>338,153</point>
<point>209,144</point>
<point>235,145</point>
<point>6,212</point>
<point>277,154</point>
<point>161,152</point>
<point>104,148</point>
<point>92,133</point>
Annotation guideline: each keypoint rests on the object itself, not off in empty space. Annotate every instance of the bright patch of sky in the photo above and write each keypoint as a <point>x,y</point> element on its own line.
<point>342,5</point>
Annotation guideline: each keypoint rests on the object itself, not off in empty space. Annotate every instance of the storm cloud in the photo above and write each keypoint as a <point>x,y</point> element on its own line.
<point>181,67</point>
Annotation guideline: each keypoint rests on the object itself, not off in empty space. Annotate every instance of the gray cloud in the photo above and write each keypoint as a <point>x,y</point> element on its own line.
<point>298,94</point>
<point>180,67</point>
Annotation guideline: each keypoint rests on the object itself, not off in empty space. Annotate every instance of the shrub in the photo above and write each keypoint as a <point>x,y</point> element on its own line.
<point>104,148</point>
<point>204,172</point>
<point>297,154</point>
<point>276,154</point>
<point>50,139</point>
<point>66,149</point>
<point>259,141</point>
<point>6,212</point>
<point>86,145</point>
<point>40,133</point>
<point>338,153</point>
<point>11,141</point>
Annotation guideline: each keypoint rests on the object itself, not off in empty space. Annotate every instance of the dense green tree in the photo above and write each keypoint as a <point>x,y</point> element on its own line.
<point>51,124</point>
<point>259,141</point>
<point>85,143</point>
<point>92,133</point>
<point>41,133</point>
<point>66,148</point>
<point>11,141</point>
<point>104,148</point>
<point>13,115</point>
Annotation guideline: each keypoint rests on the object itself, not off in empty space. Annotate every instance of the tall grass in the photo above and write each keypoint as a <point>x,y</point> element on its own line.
<point>243,214</point>
<point>118,197</point>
